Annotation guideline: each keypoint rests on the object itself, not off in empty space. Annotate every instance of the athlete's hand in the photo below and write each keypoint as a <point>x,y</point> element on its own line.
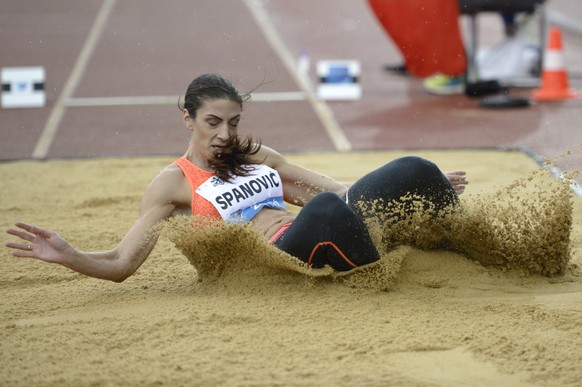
<point>39,243</point>
<point>458,179</point>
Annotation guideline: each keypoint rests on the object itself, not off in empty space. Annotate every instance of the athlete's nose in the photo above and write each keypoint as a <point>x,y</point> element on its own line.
<point>223,133</point>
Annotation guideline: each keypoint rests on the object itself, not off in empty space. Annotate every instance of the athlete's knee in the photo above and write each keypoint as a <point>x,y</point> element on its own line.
<point>327,201</point>
<point>329,205</point>
<point>419,166</point>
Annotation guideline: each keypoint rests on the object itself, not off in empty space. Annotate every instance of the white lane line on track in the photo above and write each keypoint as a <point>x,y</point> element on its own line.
<point>52,124</point>
<point>284,96</point>
<point>321,109</point>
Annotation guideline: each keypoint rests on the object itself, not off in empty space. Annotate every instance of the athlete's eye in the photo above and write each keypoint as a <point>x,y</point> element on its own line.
<point>213,123</point>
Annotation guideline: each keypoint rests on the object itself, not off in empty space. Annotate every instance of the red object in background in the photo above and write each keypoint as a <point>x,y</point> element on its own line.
<point>426,32</point>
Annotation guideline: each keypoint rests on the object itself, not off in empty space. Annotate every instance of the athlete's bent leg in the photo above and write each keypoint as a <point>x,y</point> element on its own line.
<point>327,231</point>
<point>406,175</point>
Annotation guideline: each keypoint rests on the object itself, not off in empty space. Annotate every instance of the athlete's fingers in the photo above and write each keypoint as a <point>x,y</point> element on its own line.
<point>457,179</point>
<point>21,234</point>
<point>33,229</point>
<point>21,250</point>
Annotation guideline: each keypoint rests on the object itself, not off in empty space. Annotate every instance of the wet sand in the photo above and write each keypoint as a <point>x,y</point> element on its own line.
<point>490,310</point>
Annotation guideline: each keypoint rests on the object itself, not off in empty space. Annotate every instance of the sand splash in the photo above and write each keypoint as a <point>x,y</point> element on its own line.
<point>525,226</point>
<point>225,251</point>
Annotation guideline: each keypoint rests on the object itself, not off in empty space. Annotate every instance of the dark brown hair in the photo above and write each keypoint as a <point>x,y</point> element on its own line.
<point>235,155</point>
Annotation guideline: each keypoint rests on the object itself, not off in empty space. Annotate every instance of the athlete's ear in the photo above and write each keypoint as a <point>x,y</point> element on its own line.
<point>187,120</point>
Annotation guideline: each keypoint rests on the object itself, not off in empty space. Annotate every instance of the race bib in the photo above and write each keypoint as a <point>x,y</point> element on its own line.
<point>244,196</point>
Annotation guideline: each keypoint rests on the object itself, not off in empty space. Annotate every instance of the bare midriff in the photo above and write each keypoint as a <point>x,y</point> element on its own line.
<point>268,221</point>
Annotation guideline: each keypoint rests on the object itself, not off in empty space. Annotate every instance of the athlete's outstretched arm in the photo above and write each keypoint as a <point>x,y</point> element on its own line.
<point>116,264</point>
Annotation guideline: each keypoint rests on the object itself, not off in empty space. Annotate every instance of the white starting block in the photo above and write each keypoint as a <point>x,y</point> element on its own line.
<point>339,80</point>
<point>23,87</point>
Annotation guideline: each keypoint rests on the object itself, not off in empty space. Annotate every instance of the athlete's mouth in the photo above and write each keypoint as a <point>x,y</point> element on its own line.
<point>218,150</point>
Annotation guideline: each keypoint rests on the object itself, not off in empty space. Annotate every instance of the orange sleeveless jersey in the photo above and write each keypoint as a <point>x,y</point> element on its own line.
<point>196,176</point>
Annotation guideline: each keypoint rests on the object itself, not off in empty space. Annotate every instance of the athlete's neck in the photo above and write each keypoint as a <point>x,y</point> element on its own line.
<point>197,160</point>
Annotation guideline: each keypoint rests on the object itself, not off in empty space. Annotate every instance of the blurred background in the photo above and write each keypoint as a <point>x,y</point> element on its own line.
<point>115,70</point>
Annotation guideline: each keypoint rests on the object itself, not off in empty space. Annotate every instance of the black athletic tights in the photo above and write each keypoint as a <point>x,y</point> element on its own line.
<point>330,231</point>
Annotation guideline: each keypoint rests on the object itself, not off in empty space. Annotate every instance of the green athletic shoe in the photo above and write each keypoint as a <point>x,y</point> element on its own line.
<point>442,84</point>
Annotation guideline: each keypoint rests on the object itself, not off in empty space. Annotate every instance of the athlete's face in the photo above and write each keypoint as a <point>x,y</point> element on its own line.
<point>216,120</point>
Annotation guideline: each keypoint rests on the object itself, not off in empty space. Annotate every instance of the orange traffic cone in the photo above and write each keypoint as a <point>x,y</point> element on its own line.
<point>554,78</point>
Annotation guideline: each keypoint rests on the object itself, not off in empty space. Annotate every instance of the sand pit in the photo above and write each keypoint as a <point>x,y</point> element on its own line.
<point>473,316</point>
